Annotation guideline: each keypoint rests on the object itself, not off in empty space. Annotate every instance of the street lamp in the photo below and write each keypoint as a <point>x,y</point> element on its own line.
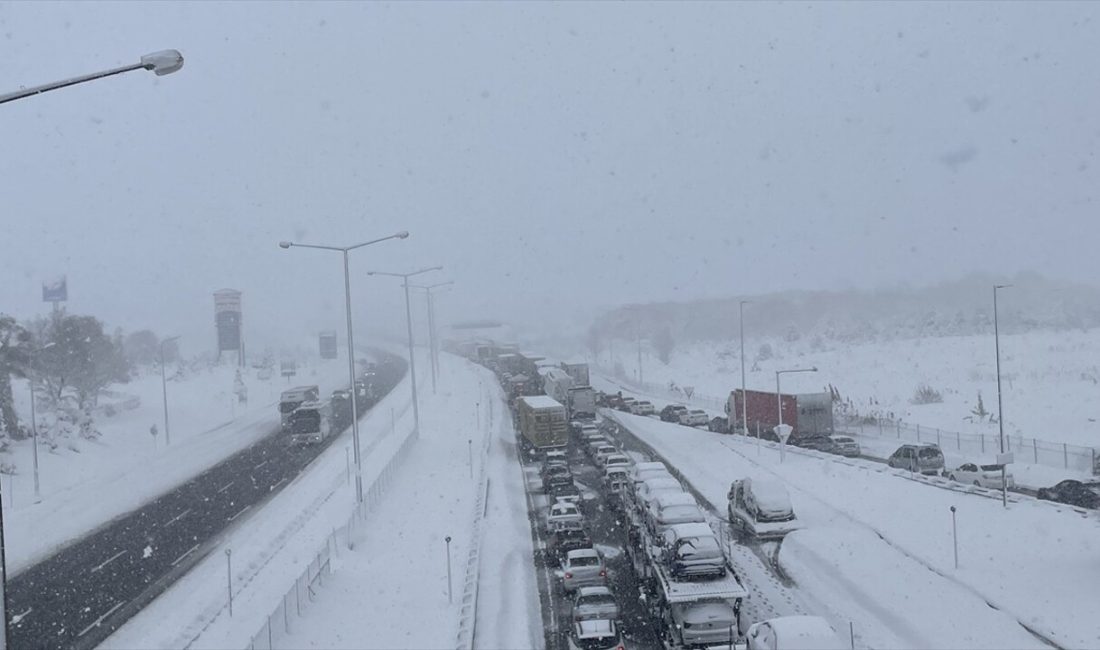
<point>164,387</point>
<point>161,63</point>
<point>744,395</point>
<point>779,403</point>
<point>351,346</point>
<point>1000,407</point>
<point>34,419</point>
<point>432,343</point>
<point>408,324</point>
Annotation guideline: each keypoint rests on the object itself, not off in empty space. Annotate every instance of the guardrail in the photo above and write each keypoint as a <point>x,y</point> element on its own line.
<point>278,627</point>
<point>467,621</point>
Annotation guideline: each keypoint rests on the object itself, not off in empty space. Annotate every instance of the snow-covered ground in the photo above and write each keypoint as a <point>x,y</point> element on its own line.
<point>877,548</point>
<point>391,589</point>
<point>92,481</point>
<point>1050,379</point>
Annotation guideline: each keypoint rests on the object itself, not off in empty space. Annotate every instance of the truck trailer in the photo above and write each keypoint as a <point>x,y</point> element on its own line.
<point>543,423</point>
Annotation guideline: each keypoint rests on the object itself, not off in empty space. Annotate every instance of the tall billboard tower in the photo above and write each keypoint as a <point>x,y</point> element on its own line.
<point>227,320</point>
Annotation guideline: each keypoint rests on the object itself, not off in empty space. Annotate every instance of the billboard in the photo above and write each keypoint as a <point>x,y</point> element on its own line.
<point>227,321</point>
<point>55,290</point>
<point>328,345</point>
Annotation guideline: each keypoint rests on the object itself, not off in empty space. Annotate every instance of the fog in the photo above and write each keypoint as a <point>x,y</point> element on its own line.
<point>555,159</point>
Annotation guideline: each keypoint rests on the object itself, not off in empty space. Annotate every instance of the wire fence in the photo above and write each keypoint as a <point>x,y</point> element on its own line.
<point>1026,450</point>
<point>276,631</point>
<point>1058,455</point>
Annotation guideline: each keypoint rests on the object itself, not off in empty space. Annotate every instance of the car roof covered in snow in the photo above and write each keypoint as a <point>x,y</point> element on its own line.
<point>770,492</point>
<point>582,552</point>
<point>805,633</point>
<point>694,529</point>
<point>541,401</point>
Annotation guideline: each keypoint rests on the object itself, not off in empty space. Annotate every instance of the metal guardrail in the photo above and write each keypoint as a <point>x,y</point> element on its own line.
<point>467,622</point>
<point>278,626</point>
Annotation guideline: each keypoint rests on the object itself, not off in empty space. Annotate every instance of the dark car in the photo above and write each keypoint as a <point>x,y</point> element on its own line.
<point>562,491</point>
<point>672,413</point>
<point>565,540</point>
<point>1083,494</point>
<point>813,441</point>
<point>719,425</point>
<point>555,473</point>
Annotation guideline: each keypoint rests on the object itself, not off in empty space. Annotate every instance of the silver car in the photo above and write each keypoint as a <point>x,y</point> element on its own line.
<point>926,459</point>
<point>595,602</point>
<point>583,568</point>
<point>845,446</point>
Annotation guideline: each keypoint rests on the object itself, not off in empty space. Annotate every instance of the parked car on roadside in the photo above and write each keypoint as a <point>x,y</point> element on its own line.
<point>719,424</point>
<point>793,632</point>
<point>925,459</point>
<point>595,602</point>
<point>671,413</point>
<point>813,441</point>
<point>846,446</point>
<point>987,476</point>
<point>694,418</point>
<point>582,568</point>
<point>1083,494</point>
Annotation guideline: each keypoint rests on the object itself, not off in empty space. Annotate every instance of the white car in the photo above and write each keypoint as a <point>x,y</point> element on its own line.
<point>615,460</point>
<point>561,512</point>
<point>694,418</point>
<point>987,476</point>
<point>793,632</point>
<point>602,452</point>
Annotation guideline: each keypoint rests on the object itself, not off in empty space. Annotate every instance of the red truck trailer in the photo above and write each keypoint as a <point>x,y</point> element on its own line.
<point>761,411</point>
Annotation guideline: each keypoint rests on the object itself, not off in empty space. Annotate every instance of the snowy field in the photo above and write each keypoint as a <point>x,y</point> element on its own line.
<point>86,483</point>
<point>1050,379</point>
<point>391,589</point>
<point>876,548</point>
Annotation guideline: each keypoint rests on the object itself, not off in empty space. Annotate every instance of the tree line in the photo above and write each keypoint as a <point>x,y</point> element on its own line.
<point>68,359</point>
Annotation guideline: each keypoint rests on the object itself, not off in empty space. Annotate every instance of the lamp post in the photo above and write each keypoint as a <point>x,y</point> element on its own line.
<point>34,418</point>
<point>744,396</point>
<point>161,63</point>
<point>432,343</point>
<point>164,387</point>
<point>351,346</point>
<point>408,325</point>
<point>1000,406</point>
<point>779,398</point>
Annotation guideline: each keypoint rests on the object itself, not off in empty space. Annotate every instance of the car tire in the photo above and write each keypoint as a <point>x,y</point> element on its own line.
<point>978,483</point>
<point>952,477</point>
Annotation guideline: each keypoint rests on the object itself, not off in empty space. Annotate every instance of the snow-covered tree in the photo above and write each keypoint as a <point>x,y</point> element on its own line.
<point>15,345</point>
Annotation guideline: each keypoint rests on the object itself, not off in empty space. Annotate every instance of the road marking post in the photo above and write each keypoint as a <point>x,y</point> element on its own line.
<point>450,598</point>
<point>229,576</point>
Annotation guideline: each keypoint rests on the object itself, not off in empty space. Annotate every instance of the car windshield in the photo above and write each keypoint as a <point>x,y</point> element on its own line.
<point>699,546</point>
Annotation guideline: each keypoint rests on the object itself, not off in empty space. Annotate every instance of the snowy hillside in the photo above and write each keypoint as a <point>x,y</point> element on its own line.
<point>1051,379</point>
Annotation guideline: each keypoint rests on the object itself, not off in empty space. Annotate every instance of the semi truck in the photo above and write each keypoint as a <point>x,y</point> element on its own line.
<point>579,373</point>
<point>810,413</point>
<point>542,422</point>
<point>292,398</point>
<point>688,583</point>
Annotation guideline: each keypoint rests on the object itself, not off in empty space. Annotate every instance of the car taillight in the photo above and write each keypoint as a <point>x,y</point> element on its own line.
<point>568,575</point>
<point>603,573</point>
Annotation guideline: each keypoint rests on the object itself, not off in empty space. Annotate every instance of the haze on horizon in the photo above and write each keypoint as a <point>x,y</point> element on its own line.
<point>555,158</point>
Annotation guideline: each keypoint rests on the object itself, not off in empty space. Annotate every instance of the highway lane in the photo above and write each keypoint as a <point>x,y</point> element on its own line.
<point>607,528</point>
<point>77,597</point>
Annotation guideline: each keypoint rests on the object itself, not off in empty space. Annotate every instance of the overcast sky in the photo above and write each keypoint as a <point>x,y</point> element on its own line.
<point>555,158</point>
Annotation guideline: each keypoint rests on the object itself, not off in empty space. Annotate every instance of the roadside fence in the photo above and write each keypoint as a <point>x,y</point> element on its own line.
<point>277,630</point>
<point>1027,450</point>
<point>1059,455</point>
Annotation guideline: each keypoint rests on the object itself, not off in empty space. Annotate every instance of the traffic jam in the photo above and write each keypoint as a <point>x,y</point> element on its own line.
<point>631,557</point>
